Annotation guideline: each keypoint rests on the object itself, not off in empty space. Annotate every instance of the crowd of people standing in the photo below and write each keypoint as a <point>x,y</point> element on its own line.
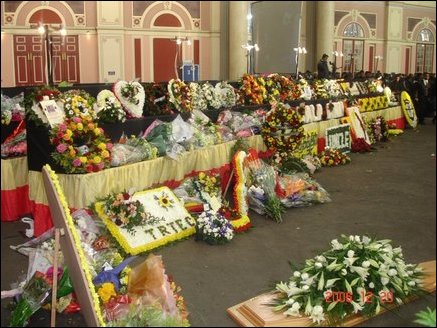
<point>420,86</point>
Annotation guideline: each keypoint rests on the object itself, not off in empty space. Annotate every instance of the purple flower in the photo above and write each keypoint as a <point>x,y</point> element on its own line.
<point>61,148</point>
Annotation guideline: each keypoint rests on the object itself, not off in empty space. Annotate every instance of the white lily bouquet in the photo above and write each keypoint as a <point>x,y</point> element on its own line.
<point>357,275</point>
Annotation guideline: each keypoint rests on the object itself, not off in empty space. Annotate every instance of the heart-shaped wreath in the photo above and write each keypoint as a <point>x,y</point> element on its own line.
<point>131,96</point>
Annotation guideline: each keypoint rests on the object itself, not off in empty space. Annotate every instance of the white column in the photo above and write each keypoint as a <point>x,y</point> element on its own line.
<point>237,37</point>
<point>325,28</point>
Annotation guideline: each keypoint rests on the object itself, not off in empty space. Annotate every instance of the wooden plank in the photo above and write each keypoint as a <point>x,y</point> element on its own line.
<point>255,312</point>
<point>72,259</point>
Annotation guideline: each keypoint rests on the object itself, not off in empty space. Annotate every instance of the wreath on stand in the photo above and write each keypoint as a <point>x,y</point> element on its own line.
<point>80,145</point>
<point>283,129</point>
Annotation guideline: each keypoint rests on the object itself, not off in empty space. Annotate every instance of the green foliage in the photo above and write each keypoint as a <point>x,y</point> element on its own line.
<point>426,318</point>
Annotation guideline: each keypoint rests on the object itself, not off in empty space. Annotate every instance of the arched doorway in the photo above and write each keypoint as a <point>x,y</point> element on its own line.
<point>46,51</point>
<point>424,51</point>
<point>353,47</point>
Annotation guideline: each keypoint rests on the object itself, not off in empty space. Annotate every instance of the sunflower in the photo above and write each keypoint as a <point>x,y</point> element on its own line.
<point>164,201</point>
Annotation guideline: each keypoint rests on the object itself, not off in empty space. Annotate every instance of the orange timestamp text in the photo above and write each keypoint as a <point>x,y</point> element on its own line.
<point>364,297</point>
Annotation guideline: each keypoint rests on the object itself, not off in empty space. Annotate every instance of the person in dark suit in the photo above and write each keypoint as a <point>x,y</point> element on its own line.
<point>322,68</point>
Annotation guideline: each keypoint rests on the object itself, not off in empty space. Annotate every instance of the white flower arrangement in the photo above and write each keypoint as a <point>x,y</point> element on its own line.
<point>333,88</point>
<point>211,96</point>
<point>132,96</point>
<point>213,228</point>
<point>198,99</point>
<point>357,275</point>
<point>108,109</point>
<point>226,93</point>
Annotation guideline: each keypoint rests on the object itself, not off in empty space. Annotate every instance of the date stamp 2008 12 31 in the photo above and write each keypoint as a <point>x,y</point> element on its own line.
<point>364,297</point>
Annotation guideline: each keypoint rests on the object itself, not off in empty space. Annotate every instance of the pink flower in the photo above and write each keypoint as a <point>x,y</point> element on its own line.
<point>61,148</point>
<point>62,127</point>
<point>76,119</point>
<point>77,162</point>
<point>109,146</point>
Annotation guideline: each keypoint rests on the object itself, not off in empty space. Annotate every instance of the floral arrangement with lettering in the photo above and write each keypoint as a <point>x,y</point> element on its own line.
<point>108,109</point>
<point>80,145</point>
<point>127,213</point>
<point>132,97</point>
<point>253,90</point>
<point>282,129</point>
<point>180,95</point>
<point>213,228</point>
<point>333,157</point>
<point>356,275</point>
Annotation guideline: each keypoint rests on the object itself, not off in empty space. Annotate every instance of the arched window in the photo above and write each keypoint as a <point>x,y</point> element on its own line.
<point>353,49</point>
<point>424,51</point>
<point>353,30</point>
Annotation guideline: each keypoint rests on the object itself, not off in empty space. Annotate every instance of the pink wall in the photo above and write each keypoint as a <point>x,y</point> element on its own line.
<point>205,58</point>
<point>205,14</point>
<point>7,58</point>
<point>89,58</point>
<point>91,13</point>
<point>147,74</point>
<point>129,59</point>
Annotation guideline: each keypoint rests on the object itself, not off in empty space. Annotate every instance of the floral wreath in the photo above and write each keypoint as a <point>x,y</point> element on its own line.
<point>108,109</point>
<point>282,129</point>
<point>77,102</point>
<point>81,146</point>
<point>408,109</point>
<point>132,97</point>
<point>180,95</point>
